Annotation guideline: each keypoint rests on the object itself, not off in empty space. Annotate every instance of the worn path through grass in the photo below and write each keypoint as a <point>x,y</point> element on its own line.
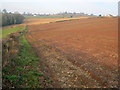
<point>25,70</point>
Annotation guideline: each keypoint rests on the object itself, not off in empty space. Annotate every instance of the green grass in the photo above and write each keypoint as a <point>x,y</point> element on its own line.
<point>24,70</point>
<point>67,20</point>
<point>7,31</point>
<point>40,17</point>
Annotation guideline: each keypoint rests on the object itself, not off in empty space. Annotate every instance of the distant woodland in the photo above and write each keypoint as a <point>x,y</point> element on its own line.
<point>11,18</point>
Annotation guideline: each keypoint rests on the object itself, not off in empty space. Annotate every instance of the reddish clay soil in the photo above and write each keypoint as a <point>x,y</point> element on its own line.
<point>78,53</point>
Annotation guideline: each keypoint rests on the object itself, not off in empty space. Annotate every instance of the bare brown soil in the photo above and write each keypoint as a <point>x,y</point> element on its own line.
<point>79,53</point>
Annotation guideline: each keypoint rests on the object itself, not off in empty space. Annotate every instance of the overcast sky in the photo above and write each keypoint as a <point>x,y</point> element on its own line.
<point>96,7</point>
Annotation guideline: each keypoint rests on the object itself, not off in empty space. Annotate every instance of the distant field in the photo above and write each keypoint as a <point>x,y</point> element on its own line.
<point>39,17</point>
<point>33,21</point>
<point>9,30</point>
<point>52,16</point>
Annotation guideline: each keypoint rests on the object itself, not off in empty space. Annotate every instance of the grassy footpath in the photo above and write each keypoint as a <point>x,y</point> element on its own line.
<point>6,31</point>
<point>25,70</point>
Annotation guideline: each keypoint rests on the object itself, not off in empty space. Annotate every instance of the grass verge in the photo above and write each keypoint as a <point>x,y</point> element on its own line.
<point>6,31</point>
<point>24,71</point>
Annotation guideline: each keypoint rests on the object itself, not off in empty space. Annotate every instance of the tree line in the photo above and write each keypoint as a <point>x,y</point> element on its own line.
<point>11,18</point>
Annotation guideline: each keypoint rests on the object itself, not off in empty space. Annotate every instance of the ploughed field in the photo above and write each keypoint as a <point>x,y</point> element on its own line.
<point>78,53</point>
